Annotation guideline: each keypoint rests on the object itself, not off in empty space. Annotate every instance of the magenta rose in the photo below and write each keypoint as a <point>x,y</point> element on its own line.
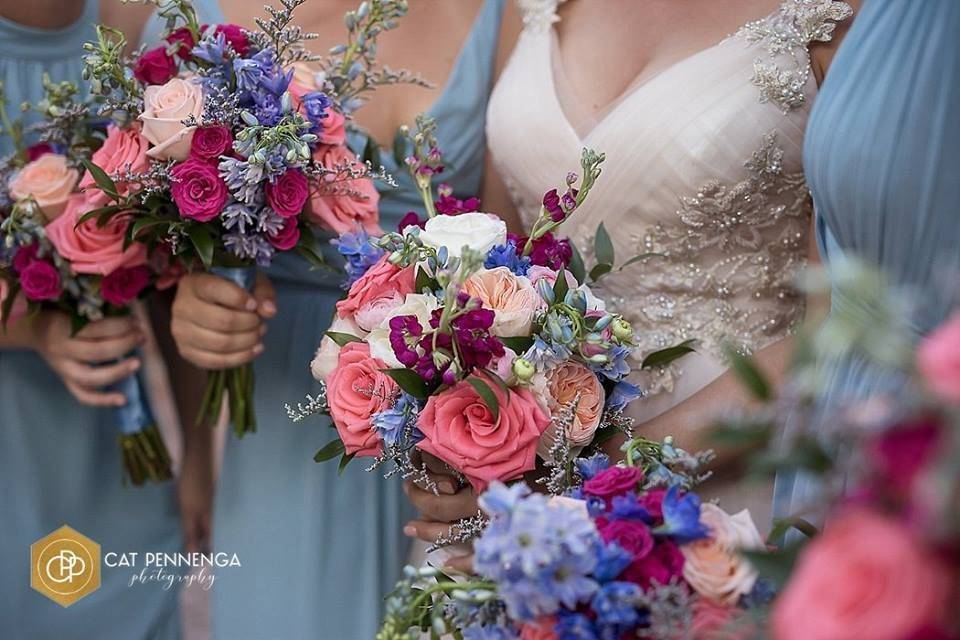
<point>198,190</point>
<point>661,565</point>
<point>289,193</point>
<point>652,501</point>
<point>40,280</point>
<point>210,142</point>
<point>613,481</point>
<point>155,67</point>
<point>122,286</point>
<point>235,37</point>
<point>25,256</point>
<point>287,237</point>
<point>183,39</point>
<point>34,151</point>
<point>633,536</point>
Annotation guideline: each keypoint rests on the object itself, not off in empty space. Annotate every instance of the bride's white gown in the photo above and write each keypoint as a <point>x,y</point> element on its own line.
<point>703,167</point>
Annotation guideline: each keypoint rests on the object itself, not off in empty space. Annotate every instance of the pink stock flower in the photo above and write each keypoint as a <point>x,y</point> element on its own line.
<point>92,248</point>
<point>938,359</point>
<point>356,390</point>
<point>155,67</point>
<point>40,281</point>
<point>124,150</point>
<point>198,190</point>
<point>121,287</point>
<point>289,193</point>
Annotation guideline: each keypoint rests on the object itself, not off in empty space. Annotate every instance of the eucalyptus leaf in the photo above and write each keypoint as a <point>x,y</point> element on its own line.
<point>748,373</point>
<point>344,461</point>
<point>668,355</point>
<point>342,339</point>
<point>560,287</point>
<point>487,394</point>
<point>330,451</point>
<point>599,271</point>
<point>576,266</point>
<point>603,246</point>
<point>409,381</point>
<point>639,258</point>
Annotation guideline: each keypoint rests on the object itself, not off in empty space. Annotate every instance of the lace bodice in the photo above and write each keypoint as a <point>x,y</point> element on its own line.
<point>703,169</point>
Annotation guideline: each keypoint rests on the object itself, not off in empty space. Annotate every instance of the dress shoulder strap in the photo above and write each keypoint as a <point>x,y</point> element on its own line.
<point>538,15</point>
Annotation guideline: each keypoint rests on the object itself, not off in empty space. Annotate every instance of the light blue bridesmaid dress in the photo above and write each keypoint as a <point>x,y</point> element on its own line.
<point>320,551</point>
<point>882,158</point>
<point>59,462</point>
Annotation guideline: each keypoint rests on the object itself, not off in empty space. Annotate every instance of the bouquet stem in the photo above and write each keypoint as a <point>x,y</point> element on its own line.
<point>142,449</point>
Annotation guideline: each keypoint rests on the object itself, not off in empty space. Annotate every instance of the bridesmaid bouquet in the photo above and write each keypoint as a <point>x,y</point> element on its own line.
<point>58,258</point>
<point>629,553</point>
<point>230,150</point>
<point>485,349</point>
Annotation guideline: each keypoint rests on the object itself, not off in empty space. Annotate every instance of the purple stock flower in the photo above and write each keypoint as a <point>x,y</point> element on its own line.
<point>402,328</point>
<point>551,202</point>
<point>472,332</point>
<point>450,205</point>
<point>547,251</point>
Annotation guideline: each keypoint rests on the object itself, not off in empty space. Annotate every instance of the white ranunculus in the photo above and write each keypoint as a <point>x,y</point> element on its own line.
<point>415,304</point>
<point>479,231</point>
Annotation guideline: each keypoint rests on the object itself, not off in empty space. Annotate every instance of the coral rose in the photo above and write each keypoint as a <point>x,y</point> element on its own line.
<point>460,429</point>
<point>938,359</point>
<point>714,567</point>
<point>91,248</point>
<point>512,298</point>
<point>356,390</point>
<point>865,576</point>
<point>49,181</point>
<point>165,107</point>
<point>564,383</point>
<point>341,205</point>
<point>124,150</point>
<point>382,288</point>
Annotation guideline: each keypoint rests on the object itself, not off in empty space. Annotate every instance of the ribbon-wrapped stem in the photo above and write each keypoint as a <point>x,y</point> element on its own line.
<point>142,449</point>
<point>236,383</point>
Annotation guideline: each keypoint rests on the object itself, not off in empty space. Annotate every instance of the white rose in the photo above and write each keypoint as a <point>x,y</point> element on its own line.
<point>415,304</point>
<point>165,107</point>
<point>714,566</point>
<point>593,302</point>
<point>479,231</point>
<point>325,360</point>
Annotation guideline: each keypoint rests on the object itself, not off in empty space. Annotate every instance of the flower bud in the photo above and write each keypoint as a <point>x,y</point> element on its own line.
<point>249,119</point>
<point>622,330</point>
<point>545,290</point>
<point>523,369</point>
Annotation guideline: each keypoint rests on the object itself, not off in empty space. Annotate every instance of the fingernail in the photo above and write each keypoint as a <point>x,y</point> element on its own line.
<point>410,531</point>
<point>257,350</point>
<point>251,304</point>
<point>134,365</point>
<point>446,486</point>
<point>269,307</point>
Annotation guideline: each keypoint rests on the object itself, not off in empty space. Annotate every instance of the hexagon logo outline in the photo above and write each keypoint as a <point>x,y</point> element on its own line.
<point>65,566</point>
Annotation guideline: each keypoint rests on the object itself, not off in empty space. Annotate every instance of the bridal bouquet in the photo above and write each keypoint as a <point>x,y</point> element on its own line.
<point>629,553</point>
<point>58,258</point>
<point>229,149</point>
<point>485,349</point>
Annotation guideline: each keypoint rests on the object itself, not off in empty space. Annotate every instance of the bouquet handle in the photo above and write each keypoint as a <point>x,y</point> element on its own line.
<point>144,453</point>
<point>236,383</point>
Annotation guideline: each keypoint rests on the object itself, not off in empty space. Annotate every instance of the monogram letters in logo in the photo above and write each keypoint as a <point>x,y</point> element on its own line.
<point>65,566</point>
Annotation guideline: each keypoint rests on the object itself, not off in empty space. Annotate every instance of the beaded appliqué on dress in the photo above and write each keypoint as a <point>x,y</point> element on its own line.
<point>538,15</point>
<point>787,34</point>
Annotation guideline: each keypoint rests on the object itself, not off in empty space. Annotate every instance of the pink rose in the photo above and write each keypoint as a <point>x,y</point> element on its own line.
<point>712,621</point>
<point>334,130</point>
<point>49,181</point>
<point>91,248</point>
<point>383,287</point>
<point>235,36</point>
<point>356,390</point>
<point>340,205</point>
<point>539,629</point>
<point>864,577</point>
<point>165,107</point>
<point>184,40</point>
<point>122,286</point>
<point>714,566</point>
<point>512,298</point>
<point>155,67</point>
<point>198,190</point>
<point>460,429</point>
<point>209,143</point>
<point>564,383</point>
<point>938,359</point>
<point>124,150</point>
<point>632,536</point>
<point>613,481</point>
<point>661,565</point>
<point>288,236</point>
<point>288,193</point>
<point>40,280</point>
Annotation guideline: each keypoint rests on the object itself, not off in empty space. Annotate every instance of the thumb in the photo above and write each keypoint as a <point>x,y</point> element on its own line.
<point>266,297</point>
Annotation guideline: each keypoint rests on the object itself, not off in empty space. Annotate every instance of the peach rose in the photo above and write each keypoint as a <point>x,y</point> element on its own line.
<point>356,390</point>
<point>371,298</point>
<point>165,107</point>
<point>341,205</point>
<point>460,429</point>
<point>561,384</point>
<point>865,576</point>
<point>49,181</point>
<point>938,360</point>
<point>325,360</point>
<point>539,629</point>
<point>91,248</point>
<point>714,567</point>
<point>512,298</point>
<point>123,150</point>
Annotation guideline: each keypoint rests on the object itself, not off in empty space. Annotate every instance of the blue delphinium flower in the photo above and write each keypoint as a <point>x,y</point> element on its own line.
<point>612,559</point>
<point>390,424</point>
<point>589,467</point>
<point>499,500</point>
<point>489,632</point>
<point>575,626</point>
<point>616,366</point>
<point>623,393</point>
<point>628,507</point>
<point>360,254</point>
<point>681,517</point>
<point>544,354</point>
<point>616,607</point>
<point>505,255</point>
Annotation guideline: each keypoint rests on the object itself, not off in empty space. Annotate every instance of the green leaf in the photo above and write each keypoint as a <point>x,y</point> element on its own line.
<point>144,223</point>
<point>603,246</point>
<point>599,271</point>
<point>560,287</point>
<point>202,242</point>
<point>104,182</point>
<point>400,149</point>
<point>371,152</point>
<point>344,461</point>
<point>748,373</point>
<point>7,306</point>
<point>77,323</point>
<point>342,339</point>
<point>487,394</point>
<point>519,344</point>
<point>102,214</point>
<point>425,281</point>
<point>315,259</point>
<point>668,355</point>
<point>639,258</point>
<point>576,266</point>
<point>409,381</point>
<point>500,382</point>
<point>330,451</point>
<point>741,435</point>
<point>776,566</point>
<point>782,525</point>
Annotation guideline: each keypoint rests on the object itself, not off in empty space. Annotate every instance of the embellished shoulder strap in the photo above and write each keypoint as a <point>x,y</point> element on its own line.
<point>538,15</point>
<point>789,32</point>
